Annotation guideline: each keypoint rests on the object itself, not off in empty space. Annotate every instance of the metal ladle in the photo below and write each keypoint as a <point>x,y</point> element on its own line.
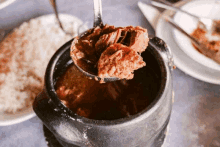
<point>97,22</point>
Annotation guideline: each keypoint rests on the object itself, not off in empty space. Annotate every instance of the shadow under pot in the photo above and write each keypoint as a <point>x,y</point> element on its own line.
<point>82,112</point>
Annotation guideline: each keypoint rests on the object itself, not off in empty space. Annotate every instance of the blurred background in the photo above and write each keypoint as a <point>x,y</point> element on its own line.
<point>195,119</point>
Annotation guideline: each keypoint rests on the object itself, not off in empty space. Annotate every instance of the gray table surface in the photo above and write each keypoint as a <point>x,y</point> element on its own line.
<point>195,119</point>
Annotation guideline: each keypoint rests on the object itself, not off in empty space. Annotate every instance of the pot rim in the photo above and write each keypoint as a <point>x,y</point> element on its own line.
<point>50,89</point>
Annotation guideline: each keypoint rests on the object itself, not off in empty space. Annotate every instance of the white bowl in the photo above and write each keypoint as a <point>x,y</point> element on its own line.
<point>205,8</point>
<point>9,119</point>
<point>5,3</point>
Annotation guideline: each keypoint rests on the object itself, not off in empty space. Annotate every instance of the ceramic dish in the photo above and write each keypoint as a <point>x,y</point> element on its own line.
<point>209,9</point>
<point>9,119</point>
<point>5,3</point>
<point>181,59</point>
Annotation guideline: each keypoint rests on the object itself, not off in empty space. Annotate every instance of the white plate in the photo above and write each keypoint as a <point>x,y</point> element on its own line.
<point>5,3</point>
<point>9,119</point>
<point>209,9</point>
<point>181,59</point>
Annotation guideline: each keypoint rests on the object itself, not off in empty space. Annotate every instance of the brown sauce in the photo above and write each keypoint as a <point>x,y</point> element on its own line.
<point>108,101</point>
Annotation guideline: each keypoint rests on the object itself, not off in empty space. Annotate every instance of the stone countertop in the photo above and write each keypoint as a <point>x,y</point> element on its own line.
<point>195,119</point>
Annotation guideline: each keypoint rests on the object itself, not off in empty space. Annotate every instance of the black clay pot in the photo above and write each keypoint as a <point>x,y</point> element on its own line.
<point>145,129</point>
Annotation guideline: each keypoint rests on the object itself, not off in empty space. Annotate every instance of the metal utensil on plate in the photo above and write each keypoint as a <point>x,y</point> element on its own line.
<point>53,4</point>
<point>204,23</point>
<point>202,47</point>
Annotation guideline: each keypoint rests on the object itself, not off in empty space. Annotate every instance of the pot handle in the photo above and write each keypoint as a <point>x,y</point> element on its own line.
<point>164,49</point>
<point>60,125</point>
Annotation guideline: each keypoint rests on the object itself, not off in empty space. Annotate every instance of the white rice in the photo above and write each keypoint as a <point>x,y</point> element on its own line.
<point>24,55</point>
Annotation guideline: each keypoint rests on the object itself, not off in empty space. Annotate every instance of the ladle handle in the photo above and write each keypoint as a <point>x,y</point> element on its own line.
<point>97,13</point>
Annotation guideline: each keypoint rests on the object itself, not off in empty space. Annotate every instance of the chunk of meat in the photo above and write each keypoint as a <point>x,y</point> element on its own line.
<point>128,28</point>
<point>108,29</point>
<point>83,49</point>
<point>93,36</point>
<point>122,37</point>
<point>92,46</point>
<point>106,40</point>
<point>139,39</point>
<point>135,37</point>
<point>75,52</point>
<point>119,61</point>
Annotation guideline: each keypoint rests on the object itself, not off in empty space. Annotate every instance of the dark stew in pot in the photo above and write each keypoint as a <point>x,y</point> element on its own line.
<point>107,101</point>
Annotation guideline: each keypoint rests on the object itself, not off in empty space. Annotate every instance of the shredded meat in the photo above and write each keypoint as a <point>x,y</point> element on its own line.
<point>139,40</point>
<point>119,61</point>
<point>96,48</point>
<point>106,40</point>
<point>108,29</point>
<point>94,36</point>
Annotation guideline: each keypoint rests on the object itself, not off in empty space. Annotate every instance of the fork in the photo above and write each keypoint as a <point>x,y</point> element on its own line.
<point>204,23</point>
<point>202,47</point>
<point>53,4</point>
